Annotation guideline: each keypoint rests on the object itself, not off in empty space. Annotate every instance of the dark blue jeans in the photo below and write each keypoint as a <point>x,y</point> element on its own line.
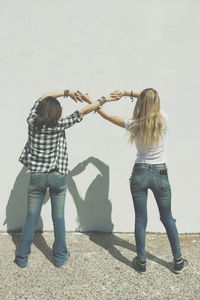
<point>39,182</point>
<point>155,178</point>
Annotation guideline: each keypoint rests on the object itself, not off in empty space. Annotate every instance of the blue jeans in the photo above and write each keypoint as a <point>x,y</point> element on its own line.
<point>155,178</point>
<point>57,184</point>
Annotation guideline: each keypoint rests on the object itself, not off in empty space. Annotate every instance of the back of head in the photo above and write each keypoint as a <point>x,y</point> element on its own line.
<point>148,104</point>
<point>48,113</point>
<point>148,119</point>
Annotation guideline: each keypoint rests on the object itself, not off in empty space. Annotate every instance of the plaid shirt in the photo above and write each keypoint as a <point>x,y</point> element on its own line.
<point>47,149</point>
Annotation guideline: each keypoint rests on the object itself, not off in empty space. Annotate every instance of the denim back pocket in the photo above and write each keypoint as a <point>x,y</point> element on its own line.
<point>58,181</point>
<point>138,179</point>
<point>163,179</point>
<point>37,180</point>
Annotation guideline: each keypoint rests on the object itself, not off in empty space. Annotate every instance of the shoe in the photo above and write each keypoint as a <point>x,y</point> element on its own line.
<point>180,265</point>
<point>140,266</point>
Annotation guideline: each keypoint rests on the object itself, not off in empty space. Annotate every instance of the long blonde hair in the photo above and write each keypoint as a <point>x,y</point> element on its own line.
<point>147,120</point>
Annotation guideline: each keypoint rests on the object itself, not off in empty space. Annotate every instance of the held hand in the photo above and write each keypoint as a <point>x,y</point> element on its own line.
<point>74,95</point>
<point>117,94</point>
<point>79,168</point>
<point>84,97</point>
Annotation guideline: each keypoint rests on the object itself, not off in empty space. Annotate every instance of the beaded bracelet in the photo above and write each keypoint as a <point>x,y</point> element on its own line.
<point>102,100</point>
<point>66,93</point>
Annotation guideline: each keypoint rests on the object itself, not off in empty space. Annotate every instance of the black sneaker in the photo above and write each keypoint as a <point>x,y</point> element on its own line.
<point>140,266</point>
<point>180,265</point>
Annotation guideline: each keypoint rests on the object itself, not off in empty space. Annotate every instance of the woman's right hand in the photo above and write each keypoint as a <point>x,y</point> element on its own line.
<point>84,97</point>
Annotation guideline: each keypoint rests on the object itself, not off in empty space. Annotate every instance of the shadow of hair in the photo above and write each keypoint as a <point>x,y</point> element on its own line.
<point>94,211</point>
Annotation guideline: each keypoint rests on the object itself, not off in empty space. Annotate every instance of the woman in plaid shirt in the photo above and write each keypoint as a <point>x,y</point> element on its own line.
<point>45,155</point>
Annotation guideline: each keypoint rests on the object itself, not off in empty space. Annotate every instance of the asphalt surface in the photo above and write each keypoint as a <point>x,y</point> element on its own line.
<point>99,268</point>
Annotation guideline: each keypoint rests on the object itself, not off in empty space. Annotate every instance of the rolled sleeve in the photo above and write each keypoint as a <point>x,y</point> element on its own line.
<point>33,114</point>
<point>70,120</point>
<point>128,124</point>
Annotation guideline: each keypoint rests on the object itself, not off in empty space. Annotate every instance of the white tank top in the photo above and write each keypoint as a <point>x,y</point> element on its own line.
<point>153,155</point>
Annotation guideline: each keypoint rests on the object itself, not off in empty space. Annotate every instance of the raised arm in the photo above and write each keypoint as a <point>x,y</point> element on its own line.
<point>53,94</point>
<point>96,105</point>
<point>132,94</point>
<point>125,93</point>
<point>64,93</point>
<point>113,119</point>
<point>93,105</point>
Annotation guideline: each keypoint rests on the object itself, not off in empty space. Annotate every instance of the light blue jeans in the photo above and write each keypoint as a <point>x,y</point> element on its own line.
<point>155,178</point>
<point>57,184</point>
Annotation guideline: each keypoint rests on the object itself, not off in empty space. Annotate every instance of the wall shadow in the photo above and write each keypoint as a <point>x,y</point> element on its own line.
<point>16,208</point>
<point>17,203</point>
<point>94,214</point>
<point>16,211</point>
<point>94,211</point>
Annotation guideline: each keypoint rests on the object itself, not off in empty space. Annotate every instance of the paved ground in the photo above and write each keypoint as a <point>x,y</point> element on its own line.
<point>99,268</point>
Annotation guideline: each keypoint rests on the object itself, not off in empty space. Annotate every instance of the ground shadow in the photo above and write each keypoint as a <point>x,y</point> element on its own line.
<point>109,241</point>
<point>94,211</point>
<point>39,241</point>
<point>16,211</point>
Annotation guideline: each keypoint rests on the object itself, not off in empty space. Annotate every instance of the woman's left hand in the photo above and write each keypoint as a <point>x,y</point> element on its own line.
<point>74,95</point>
<point>117,94</point>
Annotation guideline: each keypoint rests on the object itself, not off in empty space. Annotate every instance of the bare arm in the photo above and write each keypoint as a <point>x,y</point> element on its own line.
<point>113,119</point>
<point>70,93</point>
<point>53,94</point>
<point>96,106</point>
<point>132,94</point>
<point>92,105</point>
<point>120,94</point>
<point>89,108</point>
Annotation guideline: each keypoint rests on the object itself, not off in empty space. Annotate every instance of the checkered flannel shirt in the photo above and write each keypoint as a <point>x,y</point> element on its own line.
<point>47,149</point>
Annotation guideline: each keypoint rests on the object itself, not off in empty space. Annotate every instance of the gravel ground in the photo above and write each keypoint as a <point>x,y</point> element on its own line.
<point>99,268</point>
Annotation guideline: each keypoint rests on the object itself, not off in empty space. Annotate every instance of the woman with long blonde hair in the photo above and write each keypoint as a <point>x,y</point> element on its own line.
<point>148,129</point>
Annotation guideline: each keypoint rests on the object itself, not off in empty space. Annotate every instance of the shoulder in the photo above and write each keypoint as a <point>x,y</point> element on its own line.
<point>129,124</point>
<point>164,114</point>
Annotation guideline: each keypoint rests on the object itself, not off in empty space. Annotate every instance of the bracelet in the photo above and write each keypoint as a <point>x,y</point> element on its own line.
<point>66,93</point>
<point>131,96</point>
<point>102,100</point>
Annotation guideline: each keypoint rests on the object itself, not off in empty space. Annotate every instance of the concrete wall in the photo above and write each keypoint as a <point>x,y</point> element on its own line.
<point>98,46</point>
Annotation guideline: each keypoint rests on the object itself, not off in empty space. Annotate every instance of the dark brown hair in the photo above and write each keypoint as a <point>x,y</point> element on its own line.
<point>48,113</point>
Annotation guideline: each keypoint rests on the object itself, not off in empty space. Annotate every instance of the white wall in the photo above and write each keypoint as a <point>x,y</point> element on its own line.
<point>98,46</point>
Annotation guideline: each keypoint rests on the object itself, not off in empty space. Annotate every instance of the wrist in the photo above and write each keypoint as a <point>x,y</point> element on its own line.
<point>66,93</point>
<point>126,93</point>
<point>102,101</point>
<point>131,95</point>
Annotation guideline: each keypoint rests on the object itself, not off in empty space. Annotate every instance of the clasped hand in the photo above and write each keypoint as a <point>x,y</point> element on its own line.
<point>81,97</point>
